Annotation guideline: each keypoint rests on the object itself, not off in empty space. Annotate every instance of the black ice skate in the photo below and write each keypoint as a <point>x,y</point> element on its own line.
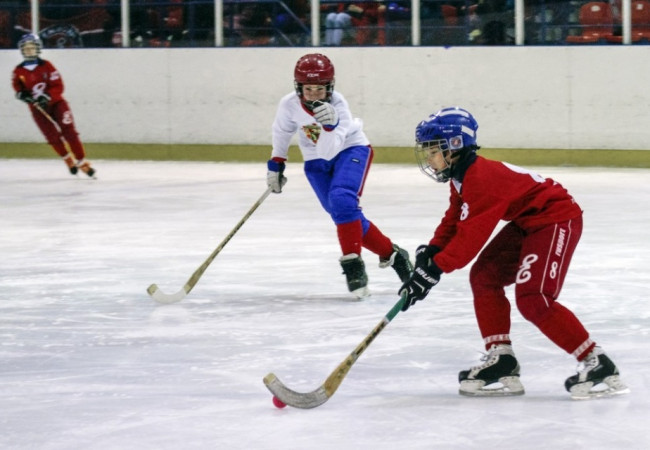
<point>355,274</point>
<point>597,376</point>
<point>497,376</point>
<point>400,262</point>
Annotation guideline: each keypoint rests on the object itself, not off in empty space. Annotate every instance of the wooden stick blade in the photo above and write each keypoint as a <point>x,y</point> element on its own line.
<point>166,299</point>
<point>290,397</point>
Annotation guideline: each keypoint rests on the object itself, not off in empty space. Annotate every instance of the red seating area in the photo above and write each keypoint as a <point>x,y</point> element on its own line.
<point>597,24</point>
<point>640,23</point>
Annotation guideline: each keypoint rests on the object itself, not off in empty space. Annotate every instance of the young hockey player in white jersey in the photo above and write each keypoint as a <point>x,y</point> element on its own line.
<point>337,156</point>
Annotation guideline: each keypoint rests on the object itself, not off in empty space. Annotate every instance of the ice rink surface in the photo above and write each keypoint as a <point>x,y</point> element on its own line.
<point>90,361</point>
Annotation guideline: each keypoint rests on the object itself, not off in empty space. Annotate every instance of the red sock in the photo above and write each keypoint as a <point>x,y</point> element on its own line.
<point>350,236</point>
<point>375,241</point>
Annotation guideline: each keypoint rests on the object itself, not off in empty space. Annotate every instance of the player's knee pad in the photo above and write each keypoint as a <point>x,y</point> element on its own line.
<point>344,205</point>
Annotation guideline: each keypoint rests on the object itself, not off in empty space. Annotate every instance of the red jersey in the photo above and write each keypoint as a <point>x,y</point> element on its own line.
<point>38,79</point>
<point>492,191</point>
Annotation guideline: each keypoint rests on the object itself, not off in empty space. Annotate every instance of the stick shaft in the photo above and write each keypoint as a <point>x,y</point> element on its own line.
<point>47,116</point>
<point>161,297</point>
<point>336,377</point>
<point>191,282</point>
<point>308,400</point>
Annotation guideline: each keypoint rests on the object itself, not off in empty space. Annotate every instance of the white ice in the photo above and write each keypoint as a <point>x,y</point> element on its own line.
<point>90,361</point>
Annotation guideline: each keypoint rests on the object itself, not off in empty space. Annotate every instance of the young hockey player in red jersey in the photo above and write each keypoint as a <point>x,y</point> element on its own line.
<point>337,156</point>
<point>38,83</point>
<point>533,251</point>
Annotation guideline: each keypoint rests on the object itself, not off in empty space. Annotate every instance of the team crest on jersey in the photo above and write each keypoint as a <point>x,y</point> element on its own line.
<point>312,132</point>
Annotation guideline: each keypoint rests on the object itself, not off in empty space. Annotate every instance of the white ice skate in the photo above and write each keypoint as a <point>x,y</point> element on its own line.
<point>597,377</point>
<point>498,376</point>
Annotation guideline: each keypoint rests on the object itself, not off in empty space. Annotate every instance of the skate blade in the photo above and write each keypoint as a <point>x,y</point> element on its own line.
<point>609,387</point>
<point>362,293</point>
<point>504,387</point>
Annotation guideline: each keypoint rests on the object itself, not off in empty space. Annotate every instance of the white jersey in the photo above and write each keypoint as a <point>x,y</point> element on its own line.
<point>313,140</point>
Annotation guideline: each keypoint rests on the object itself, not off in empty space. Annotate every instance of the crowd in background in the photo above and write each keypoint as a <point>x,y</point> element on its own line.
<point>190,23</point>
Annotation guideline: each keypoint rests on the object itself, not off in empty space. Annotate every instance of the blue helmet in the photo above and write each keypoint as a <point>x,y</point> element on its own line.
<point>450,129</point>
<point>30,39</point>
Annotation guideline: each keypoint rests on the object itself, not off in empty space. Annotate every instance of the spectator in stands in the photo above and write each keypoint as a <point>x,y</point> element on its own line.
<point>337,23</point>
<point>363,21</point>
<point>293,24</point>
<point>488,20</point>
<point>398,21</point>
<point>253,24</point>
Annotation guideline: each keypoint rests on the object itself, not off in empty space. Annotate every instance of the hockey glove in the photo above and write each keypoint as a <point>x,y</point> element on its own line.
<point>275,178</point>
<point>24,96</point>
<point>424,253</point>
<point>425,276</point>
<point>326,115</point>
<point>43,100</point>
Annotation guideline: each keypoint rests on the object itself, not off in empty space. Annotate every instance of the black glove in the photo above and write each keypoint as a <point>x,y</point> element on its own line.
<point>425,276</point>
<point>424,253</point>
<point>275,178</point>
<point>43,100</point>
<point>24,96</point>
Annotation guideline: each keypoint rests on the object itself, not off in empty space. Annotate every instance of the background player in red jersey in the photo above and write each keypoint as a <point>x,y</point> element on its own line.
<point>337,156</point>
<point>38,83</point>
<point>533,250</point>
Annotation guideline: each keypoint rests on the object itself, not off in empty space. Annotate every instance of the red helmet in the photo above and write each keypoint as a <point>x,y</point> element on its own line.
<point>314,68</point>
